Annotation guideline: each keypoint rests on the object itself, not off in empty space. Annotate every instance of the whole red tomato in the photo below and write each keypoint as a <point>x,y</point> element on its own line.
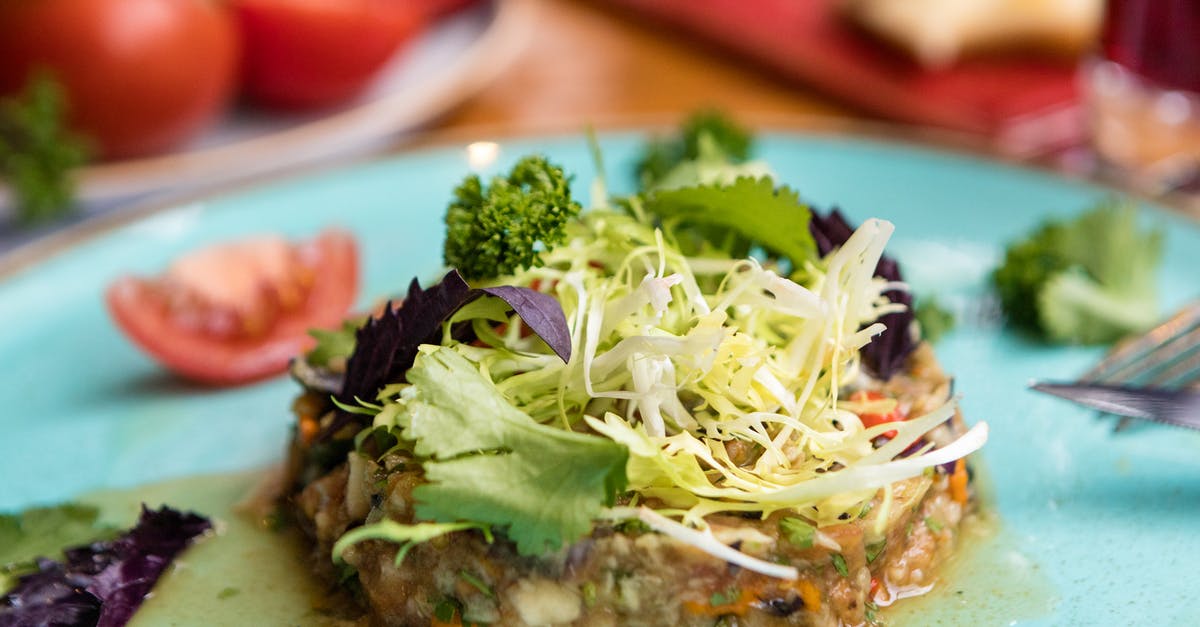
<point>139,75</point>
<point>305,54</point>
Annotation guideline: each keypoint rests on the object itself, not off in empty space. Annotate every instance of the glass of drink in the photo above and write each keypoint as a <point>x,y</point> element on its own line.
<point>1143,93</point>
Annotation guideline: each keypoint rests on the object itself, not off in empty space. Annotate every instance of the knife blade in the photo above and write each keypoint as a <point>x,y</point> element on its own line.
<point>1169,406</point>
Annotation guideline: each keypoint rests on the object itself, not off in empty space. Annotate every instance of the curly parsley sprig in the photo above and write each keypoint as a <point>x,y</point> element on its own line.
<point>504,227</point>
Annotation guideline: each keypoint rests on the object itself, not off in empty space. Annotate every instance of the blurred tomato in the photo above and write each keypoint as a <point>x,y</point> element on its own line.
<point>239,311</point>
<point>303,54</point>
<point>140,75</point>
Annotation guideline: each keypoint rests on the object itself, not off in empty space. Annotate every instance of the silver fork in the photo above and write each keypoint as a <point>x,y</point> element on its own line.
<point>1167,356</point>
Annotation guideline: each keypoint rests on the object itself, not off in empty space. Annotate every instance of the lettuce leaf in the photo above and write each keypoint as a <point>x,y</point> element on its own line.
<point>488,462</point>
<point>386,346</point>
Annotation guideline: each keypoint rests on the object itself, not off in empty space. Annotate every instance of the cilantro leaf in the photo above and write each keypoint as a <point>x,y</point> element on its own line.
<point>753,208</point>
<point>490,463</point>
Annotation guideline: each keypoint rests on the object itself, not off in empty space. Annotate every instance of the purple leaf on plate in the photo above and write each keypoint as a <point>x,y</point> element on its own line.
<point>102,583</point>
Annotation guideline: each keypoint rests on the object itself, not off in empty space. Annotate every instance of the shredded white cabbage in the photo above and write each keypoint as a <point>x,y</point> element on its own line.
<point>723,377</point>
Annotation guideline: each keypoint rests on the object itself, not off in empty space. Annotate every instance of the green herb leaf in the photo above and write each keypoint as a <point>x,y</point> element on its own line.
<point>705,134</point>
<point>725,597</point>
<point>333,343</point>
<point>935,320</point>
<point>873,550</point>
<point>37,155</point>
<point>446,609</point>
<point>488,462</point>
<point>839,563</point>
<point>407,536</point>
<point>475,582</point>
<point>753,208</point>
<point>797,531</point>
<point>933,524</point>
<point>44,532</point>
<point>227,592</point>
<point>588,592</point>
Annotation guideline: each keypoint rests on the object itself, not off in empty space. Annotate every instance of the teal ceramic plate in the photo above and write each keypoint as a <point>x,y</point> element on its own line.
<point>1104,526</point>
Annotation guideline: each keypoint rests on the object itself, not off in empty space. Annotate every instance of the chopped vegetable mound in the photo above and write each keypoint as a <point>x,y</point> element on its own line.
<point>1088,280</point>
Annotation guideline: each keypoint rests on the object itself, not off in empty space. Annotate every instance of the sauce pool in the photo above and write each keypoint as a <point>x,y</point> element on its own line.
<point>247,572</point>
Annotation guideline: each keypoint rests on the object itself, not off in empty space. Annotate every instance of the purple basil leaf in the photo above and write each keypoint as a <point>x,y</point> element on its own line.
<point>102,583</point>
<point>541,312</point>
<point>386,346</point>
<point>885,354</point>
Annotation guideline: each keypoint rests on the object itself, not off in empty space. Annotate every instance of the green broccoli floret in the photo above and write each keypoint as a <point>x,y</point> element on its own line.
<point>505,227</point>
<point>1089,280</point>
<point>707,133</point>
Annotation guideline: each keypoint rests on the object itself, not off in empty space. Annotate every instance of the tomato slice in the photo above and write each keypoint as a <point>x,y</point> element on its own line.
<point>873,419</point>
<point>238,312</point>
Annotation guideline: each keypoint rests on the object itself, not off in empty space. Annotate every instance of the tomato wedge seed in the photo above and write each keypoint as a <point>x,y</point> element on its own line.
<point>234,323</point>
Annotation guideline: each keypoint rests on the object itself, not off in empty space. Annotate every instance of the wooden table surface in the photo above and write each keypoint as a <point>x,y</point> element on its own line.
<point>589,63</point>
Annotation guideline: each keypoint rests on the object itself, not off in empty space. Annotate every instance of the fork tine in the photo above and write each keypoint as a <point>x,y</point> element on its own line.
<point>1181,372</point>
<point>1126,360</point>
<point>1167,352</point>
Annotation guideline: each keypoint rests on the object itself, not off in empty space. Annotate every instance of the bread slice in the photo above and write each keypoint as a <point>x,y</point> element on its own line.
<point>936,33</point>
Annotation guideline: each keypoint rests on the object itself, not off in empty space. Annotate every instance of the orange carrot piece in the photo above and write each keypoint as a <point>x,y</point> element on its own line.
<point>958,482</point>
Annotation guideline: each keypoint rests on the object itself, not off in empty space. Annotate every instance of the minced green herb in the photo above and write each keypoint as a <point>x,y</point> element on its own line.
<point>477,583</point>
<point>588,591</point>
<point>798,532</point>
<point>933,524</point>
<point>873,550</point>
<point>725,597</point>
<point>839,563</point>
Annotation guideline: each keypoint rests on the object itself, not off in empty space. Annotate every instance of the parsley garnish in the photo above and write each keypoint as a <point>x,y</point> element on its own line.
<point>933,524</point>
